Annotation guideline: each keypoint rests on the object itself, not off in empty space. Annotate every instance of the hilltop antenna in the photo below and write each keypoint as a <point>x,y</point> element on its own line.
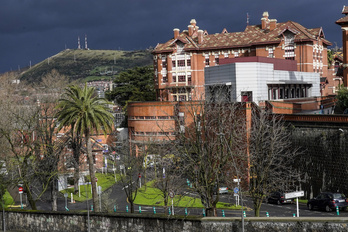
<point>247,19</point>
<point>78,43</point>
<point>86,47</point>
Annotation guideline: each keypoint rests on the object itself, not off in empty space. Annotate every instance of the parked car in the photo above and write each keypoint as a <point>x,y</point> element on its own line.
<point>223,190</point>
<point>278,198</point>
<point>328,201</point>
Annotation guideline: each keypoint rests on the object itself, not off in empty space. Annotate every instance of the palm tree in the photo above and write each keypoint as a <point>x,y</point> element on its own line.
<point>85,113</point>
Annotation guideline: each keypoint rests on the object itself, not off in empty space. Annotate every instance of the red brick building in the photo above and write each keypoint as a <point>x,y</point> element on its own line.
<point>343,22</point>
<point>179,63</point>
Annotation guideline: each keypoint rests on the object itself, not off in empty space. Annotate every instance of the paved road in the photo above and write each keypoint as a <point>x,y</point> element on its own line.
<point>116,196</point>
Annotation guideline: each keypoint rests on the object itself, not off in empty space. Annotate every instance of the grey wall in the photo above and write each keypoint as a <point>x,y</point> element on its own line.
<point>40,221</point>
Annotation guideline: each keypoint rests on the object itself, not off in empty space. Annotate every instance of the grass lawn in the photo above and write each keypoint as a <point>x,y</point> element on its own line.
<point>303,201</point>
<point>104,180</point>
<point>152,196</point>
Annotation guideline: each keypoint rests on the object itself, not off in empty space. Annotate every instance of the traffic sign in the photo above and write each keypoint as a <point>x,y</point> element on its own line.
<point>294,194</point>
<point>236,190</point>
<point>20,189</point>
<point>96,179</point>
<point>171,194</point>
<point>139,175</point>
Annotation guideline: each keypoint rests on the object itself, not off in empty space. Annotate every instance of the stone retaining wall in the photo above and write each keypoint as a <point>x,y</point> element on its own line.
<point>69,221</point>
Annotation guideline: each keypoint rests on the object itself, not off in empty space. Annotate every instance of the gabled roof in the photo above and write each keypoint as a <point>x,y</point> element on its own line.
<point>252,35</point>
<point>345,10</point>
<point>344,19</point>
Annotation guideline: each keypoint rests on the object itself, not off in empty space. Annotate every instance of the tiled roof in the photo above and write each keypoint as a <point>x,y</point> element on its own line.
<point>338,56</point>
<point>345,10</point>
<point>343,20</point>
<point>252,35</point>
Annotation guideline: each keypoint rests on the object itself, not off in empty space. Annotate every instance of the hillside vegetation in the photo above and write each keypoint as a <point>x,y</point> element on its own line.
<point>87,65</point>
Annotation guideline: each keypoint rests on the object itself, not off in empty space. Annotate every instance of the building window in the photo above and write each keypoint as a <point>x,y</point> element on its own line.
<point>164,62</point>
<point>289,53</point>
<point>164,79</point>
<point>217,60</point>
<point>181,63</point>
<point>281,93</point>
<point>189,79</point>
<point>188,62</point>
<point>173,63</point>
<point>226,55</point>
<point>180,47</point>
<point>270,53</point>
<point>288,38</point>
<point>289,45</point>
<point>236,54</point>
<point>182,97</point>
<point>247,96</point>
<point>181,78</point>
<point>207,61</point>
<point>174,78</point>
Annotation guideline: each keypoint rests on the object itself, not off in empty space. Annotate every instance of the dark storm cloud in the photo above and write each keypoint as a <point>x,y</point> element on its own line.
<point>32,30</point>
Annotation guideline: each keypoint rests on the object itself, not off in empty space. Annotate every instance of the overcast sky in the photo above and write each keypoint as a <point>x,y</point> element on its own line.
<point>32,30</point>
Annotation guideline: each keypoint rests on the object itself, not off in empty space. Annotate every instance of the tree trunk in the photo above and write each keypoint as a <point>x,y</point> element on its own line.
<point>132,206</point>
<point>76,178</point>
<point>257,207</point>
<point>210,212</point>
<point>54,195</point>
<point>31,200</point>
<point>165,205</point>
<point>92,172</point>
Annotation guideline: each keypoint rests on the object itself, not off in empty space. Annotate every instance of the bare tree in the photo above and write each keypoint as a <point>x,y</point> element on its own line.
<point>28,128</point>
<point>163,170</point>
<point>47,95</point>
<point>271,156</point>
<point>131,167</point>
<point>19,126</point>
<point>203,127</point>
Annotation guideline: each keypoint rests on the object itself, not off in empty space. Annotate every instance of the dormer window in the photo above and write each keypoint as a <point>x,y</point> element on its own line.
<point>179,47</point>
<point>289,38</point>
<point>289,45</point>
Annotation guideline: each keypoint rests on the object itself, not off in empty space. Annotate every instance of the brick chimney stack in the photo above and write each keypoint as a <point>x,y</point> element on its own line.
<point>264,20</point>
<point>200,36</point>
<point>176,33</point>
<point>192,27</point>
<point>272,24</point>
<point>190,30</point>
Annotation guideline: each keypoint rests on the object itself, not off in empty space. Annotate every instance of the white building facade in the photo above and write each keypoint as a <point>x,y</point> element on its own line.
<point>260,80</point>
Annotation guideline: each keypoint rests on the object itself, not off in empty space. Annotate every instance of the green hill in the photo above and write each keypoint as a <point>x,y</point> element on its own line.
<point>88,65</point>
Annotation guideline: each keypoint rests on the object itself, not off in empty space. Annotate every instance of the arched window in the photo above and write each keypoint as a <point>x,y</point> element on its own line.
<point>289,47</point>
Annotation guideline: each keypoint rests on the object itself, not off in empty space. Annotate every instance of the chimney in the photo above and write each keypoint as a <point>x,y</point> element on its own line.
<point>264,20</point>
<point>193,22</point>
<point>200,36</point>
<point>176,33</point>
<point>190,30</point>
<point>272,24</point>
<point>192,27</point>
